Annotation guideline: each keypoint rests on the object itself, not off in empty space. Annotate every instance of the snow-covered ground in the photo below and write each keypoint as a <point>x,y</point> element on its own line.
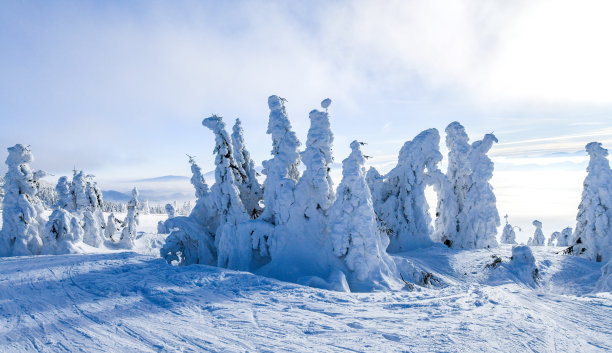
<point>135,302</point>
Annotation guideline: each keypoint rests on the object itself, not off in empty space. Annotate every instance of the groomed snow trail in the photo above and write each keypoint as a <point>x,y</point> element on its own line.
<point>127,302</point>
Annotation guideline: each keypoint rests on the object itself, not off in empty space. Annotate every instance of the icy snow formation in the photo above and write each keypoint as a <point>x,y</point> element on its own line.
<point>128,234</point>
<point>359,244</point>
<point>469,172</point>
<point>538,236</point>
<point>226,196</point>
<point>565,237</point>
<point>554,239</point>
<point>191,240</point>
<point>400,201</point>
<point>592,238</point>
<point>281,171</point>
<point>22,221</point>
<point>523,265</point>
<point>251,193</point>
<point>299,249</point>
<point>508,235</point>
<point>60,237</point>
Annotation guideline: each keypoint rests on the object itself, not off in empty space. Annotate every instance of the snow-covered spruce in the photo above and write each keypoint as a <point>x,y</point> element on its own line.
<point>64,196</point>
<point>565,237</point>
<point>523,265</point>
<point>604,284</point>
<point>592,238</point>
<point>250,191</point>
<point>231,250</point>
<point>359,244</point>
<point>128,233</point>
<point>554,239</point>
<point>508,235</point>
<point>300,250</point>
<point>1,190</point>
<point>111,227</point>
<point>469,172</point>
<point>479,218</point>
<point>191,240</point>
<point>281,170</point>
<point>171,212</point>
<point>402,206</point>
<point>538,236</point>
<point>60,237</point>
<point>22,220</point>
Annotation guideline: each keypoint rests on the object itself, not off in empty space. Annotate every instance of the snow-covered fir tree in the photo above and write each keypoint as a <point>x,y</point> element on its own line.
<point>128,234</point>
<point>538,238</point>
<point>251,193</point>
<point>281,170</point>
<point>171,212</point>
<point>192,238</point>
<point>592,238</point>
<point>111,227</point>
<point>554,238</point>
<point>402,206</point>
<point>60,237</point>
<point>469,172</point>
<point>78,189</point>
<point>22,220</point>
<point>64,196</point>
<point>479,218</point>
<point>226,196</point>
<point>508,235</point>
<point>359,243</point>
<point>1,190</point>
<point>565,237</point>
<point>299,247</point>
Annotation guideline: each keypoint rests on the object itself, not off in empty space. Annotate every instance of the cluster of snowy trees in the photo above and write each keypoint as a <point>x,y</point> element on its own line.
<point>296,227</point>
<point>76,218</point>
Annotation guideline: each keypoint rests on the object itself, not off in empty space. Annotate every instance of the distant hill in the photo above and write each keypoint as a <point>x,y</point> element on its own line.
<point>164,178</point>
<point>115,196</point>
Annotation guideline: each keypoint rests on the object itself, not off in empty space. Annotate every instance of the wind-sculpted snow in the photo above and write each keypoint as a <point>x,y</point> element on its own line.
<point>401,203</point>
<point>22,220</point>
<point>469,172</point>
<point>360,245</point>
<point>125,302</point>
<point>593,235</point>
<point>508,235</point>
<point>538,238</point>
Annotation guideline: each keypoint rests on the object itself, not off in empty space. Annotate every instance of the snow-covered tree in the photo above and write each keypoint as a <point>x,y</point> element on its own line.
<point>1,190</point>
<point>128,234</point>
<point>171,212</point>
<point>78,189</point>
<point>353,230</point>
<point>64,196</point>
<point>191,240</point>
<point>111,227</point>
<point>479,218</point>
<point>282,170</point>
<point>523,265</point>
<point>314,193</point>
<point>508,235</point>
<point>59,236</point>
<point>22,220</point>
<point>469,172</point>
<point>225,195</point>
<point>250,190</point>
<point>592,238</point>
<point>554,239</point>
<point>538,236</point>
<point>565,237</point>
<point>94,231</point>
<point>299,247</point>
<point>403,207</point>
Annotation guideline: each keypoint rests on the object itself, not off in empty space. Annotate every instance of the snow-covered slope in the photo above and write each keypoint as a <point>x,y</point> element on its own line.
<point>129,302</point>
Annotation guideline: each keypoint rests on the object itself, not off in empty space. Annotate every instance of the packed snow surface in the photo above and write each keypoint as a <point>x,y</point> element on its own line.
<point>131,302</point>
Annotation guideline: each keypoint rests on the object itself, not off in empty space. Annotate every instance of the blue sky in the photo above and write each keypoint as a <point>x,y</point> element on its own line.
<point>119,89</point>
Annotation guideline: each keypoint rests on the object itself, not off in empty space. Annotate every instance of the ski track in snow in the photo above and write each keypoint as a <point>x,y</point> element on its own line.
<point>129,302</point>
